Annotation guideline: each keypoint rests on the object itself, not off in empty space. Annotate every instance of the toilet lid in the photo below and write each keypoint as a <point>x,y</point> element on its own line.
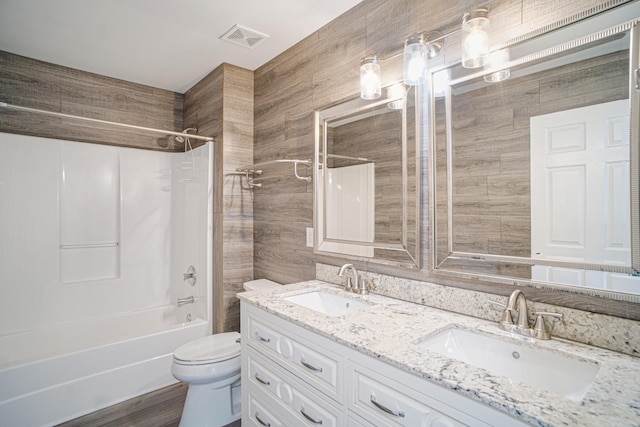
<point>260,285</point>
<point>209,349</point>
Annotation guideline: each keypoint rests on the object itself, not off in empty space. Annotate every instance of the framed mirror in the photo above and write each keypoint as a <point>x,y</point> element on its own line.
<point>367,173</point>
<point>534,160</point>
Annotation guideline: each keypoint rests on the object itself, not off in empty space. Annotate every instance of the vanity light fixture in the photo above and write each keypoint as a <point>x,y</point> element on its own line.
<point>370,86</point>
<point>475,39</point>
<point>422,46</point>
<point>417,49</point>
<point>497,61</point>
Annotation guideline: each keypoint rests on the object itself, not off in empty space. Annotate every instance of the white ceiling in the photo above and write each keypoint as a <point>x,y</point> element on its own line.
<point>170,44</point>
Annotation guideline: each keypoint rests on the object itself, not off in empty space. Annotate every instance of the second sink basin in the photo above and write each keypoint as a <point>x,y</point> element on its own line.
<point>544,369</point>
<point>327,303</point>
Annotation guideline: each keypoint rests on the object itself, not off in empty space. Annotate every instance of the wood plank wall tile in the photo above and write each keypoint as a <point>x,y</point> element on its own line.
<point>324,68</point>
<point>35,84</point>
<point>221,105</point>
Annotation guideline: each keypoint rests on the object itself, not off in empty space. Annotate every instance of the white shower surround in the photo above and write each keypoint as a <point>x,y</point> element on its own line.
<point>69,348</point>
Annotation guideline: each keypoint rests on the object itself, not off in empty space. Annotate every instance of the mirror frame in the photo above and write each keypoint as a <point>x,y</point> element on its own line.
<point>579,31</point>
<point>348,107</point>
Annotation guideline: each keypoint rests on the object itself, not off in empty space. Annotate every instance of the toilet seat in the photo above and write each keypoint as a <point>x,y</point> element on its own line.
<point>210,349</point>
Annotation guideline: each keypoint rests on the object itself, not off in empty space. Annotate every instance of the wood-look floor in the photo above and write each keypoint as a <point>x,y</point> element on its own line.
<point>160,408</point>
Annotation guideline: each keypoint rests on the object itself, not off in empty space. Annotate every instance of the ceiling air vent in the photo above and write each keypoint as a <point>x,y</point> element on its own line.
<point>244,36</point>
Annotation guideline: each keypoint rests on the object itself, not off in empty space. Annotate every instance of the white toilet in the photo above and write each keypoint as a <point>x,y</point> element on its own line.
<point>211,367</point>
<point>260,285</point>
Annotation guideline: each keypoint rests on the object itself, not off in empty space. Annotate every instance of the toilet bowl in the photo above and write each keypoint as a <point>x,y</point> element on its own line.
<point>211,367</point>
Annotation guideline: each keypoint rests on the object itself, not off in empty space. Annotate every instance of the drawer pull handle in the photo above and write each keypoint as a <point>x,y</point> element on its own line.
<point>308,366</point>
<point>310,418</point>
<point>385,409</point>
<point>261,380</point>
<point>261,422</point>
<point>262,339</point>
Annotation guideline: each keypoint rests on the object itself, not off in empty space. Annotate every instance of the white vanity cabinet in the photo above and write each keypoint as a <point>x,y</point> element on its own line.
<point>293,376</point>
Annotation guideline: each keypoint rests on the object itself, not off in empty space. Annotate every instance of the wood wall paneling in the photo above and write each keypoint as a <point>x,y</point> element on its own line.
<point>325,68</point>
<point>35,84</point>
<point>221,104</point>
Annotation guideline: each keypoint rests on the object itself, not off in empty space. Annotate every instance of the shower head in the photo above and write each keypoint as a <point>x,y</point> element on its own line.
<point>180,138</point>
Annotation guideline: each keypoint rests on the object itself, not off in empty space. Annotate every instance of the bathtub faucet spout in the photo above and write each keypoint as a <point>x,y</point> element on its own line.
<point>187,300</point>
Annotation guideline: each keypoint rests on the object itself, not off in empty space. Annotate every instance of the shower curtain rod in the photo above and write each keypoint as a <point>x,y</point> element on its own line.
<point>70,116</point>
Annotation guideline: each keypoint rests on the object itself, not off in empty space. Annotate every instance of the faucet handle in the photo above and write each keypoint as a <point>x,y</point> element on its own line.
<point>361,288</point>
<point>349,286</point>
<point>540,330</point>
<point>507,319</point>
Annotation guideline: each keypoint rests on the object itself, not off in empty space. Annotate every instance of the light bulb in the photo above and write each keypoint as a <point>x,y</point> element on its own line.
<point>370,87</point>
<point>415,60</point>
<point>475,39</point>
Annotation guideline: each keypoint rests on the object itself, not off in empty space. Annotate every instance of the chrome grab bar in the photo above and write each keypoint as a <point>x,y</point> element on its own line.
<point>186,300</point>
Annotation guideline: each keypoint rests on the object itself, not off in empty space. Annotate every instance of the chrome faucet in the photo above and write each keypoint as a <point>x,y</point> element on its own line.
<point>517,298</point>
<point>518,302</point>
<point>357,285</point>
<point>349,286</point>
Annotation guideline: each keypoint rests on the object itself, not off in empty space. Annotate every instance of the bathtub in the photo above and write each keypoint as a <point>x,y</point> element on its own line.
<point>52,375</point>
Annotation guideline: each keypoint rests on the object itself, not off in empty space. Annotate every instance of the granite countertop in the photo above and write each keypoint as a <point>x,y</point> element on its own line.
<point>391,329</point>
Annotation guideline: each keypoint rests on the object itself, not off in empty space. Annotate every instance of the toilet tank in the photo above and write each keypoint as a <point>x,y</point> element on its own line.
<point>260,285</point>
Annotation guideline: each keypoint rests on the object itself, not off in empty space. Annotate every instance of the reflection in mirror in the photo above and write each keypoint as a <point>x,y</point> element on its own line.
<point>533,175</point>
<point>366,194</point>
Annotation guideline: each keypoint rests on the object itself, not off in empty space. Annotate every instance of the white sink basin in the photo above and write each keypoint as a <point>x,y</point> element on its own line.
<point>326,303</point>
<point>544,369</point>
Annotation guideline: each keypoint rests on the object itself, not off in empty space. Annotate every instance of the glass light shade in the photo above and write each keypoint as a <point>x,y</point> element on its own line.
<point>497,61</point>
<point>370,87</point>
<point>475,39</point>
<point>396,93</point>
<point>415,60</point>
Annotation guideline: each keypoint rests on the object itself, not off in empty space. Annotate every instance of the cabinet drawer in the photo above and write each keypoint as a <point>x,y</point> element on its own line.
<point>262,336</point>
<point>301,402</point>
<point>267,380</point>
<point>312,411</point>
<point>315,364</point>
<point>259,416</point>
<point>384,404</point>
